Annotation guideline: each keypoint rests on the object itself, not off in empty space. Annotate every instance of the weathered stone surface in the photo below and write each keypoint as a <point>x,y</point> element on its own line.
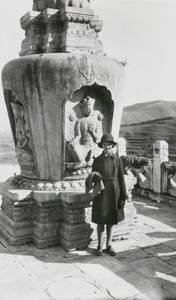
<point>43,220</point>
<point>143,284</point>
<point>27,286</point>
<point>49,218</point>
<point>69,29</point>
<point>131,255</point>
<point>45,84</point>
<point>105,277</point>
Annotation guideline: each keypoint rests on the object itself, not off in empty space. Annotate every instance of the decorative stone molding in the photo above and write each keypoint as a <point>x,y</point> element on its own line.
<point>48,214</point>
<point>97,25</point>
<point>34,27</point>
<point>44,217</point>
<point>73,216</point>
<point>55,30</point>
<point>24,183</point>
<point>77,16</point>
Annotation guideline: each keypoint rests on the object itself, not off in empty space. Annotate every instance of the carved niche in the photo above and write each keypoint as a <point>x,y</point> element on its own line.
<point>87,116</point>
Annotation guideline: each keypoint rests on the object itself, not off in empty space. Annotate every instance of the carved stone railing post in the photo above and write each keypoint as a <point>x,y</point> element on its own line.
<point>121,147</point>
<point>160,154</point>
<point>130,180</point>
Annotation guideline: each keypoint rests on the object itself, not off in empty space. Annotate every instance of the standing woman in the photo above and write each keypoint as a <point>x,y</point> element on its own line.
<point>112,198</point>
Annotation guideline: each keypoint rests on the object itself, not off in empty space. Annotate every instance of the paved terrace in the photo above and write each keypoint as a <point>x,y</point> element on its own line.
<point>144,266</point>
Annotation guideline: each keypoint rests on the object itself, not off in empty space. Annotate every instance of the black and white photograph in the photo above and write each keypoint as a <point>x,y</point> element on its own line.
<point>88,150</point>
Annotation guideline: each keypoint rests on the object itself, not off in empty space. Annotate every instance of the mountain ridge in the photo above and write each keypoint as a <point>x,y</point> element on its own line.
<point>144,123</point>
<point>148,111</point>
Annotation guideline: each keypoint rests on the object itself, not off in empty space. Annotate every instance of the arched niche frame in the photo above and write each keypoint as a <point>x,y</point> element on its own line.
<point>103,103</point>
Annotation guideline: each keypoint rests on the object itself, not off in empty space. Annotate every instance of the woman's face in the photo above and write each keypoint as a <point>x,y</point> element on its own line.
<point>107,146</point>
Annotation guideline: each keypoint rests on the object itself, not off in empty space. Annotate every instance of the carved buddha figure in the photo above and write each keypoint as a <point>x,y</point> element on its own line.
<point>88,131</point>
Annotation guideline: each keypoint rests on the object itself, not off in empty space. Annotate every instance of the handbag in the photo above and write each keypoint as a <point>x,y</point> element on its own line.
<point>120,215</point>
<point>96,209</point>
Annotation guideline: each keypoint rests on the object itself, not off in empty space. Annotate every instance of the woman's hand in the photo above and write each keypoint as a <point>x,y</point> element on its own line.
<point>97,177</point>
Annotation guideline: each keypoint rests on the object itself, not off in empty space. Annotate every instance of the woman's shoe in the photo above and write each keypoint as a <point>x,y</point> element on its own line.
<point>110,251</point>
<point>99,252</point>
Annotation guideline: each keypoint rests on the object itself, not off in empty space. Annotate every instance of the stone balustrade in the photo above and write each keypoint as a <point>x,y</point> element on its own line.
<point>156,178</point>
<point>168,183</point>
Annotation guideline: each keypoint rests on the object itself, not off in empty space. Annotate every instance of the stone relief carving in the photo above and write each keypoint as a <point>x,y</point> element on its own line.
<point>40,5</point>
<point>88,131</point>
<point>44,214</point>
<point>23,142</point>
<point>7,206</point>
<point>73,216</point>
<point>24,183</point>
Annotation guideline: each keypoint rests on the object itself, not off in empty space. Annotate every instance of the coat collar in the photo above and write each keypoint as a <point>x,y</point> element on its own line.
<point>112,156</point>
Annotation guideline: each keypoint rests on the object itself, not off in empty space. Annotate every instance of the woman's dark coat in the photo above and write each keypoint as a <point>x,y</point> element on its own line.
<point>112,198</point>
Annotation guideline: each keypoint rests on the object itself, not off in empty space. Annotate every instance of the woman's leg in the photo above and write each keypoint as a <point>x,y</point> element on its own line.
<point>100,234</point>
<point>109,232</point>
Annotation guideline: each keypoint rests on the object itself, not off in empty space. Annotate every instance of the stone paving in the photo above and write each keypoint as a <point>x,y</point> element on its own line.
<point>144,267</point>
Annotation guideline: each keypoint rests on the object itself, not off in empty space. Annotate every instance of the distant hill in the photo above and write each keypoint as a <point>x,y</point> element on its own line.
<point>148,111</point>
<point>144,123</point>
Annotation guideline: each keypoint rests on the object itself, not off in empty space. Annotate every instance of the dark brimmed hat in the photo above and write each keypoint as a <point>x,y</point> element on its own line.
<point>107,137</point>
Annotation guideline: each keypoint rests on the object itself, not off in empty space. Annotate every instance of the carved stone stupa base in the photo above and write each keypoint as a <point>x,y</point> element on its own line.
<point>47,218</point>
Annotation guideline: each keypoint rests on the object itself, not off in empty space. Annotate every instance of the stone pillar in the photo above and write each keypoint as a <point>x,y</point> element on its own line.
<point>160,154</point>
<point>121,147</point>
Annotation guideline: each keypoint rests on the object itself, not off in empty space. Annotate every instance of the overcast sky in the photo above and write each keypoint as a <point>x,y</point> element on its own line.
<point>143,32</point>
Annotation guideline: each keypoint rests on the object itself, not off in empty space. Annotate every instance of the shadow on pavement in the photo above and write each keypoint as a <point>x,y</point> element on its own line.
<point>144,266</point>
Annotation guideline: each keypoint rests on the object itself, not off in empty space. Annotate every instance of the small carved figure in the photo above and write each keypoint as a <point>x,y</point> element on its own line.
<point>88,130</point>
<point>23,147</point>
<point>19,121</point>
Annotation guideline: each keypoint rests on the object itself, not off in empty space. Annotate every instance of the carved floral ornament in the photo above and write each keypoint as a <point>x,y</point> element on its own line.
<point>24,183</point>
<point>52,20</point>
<point>71,17</point>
